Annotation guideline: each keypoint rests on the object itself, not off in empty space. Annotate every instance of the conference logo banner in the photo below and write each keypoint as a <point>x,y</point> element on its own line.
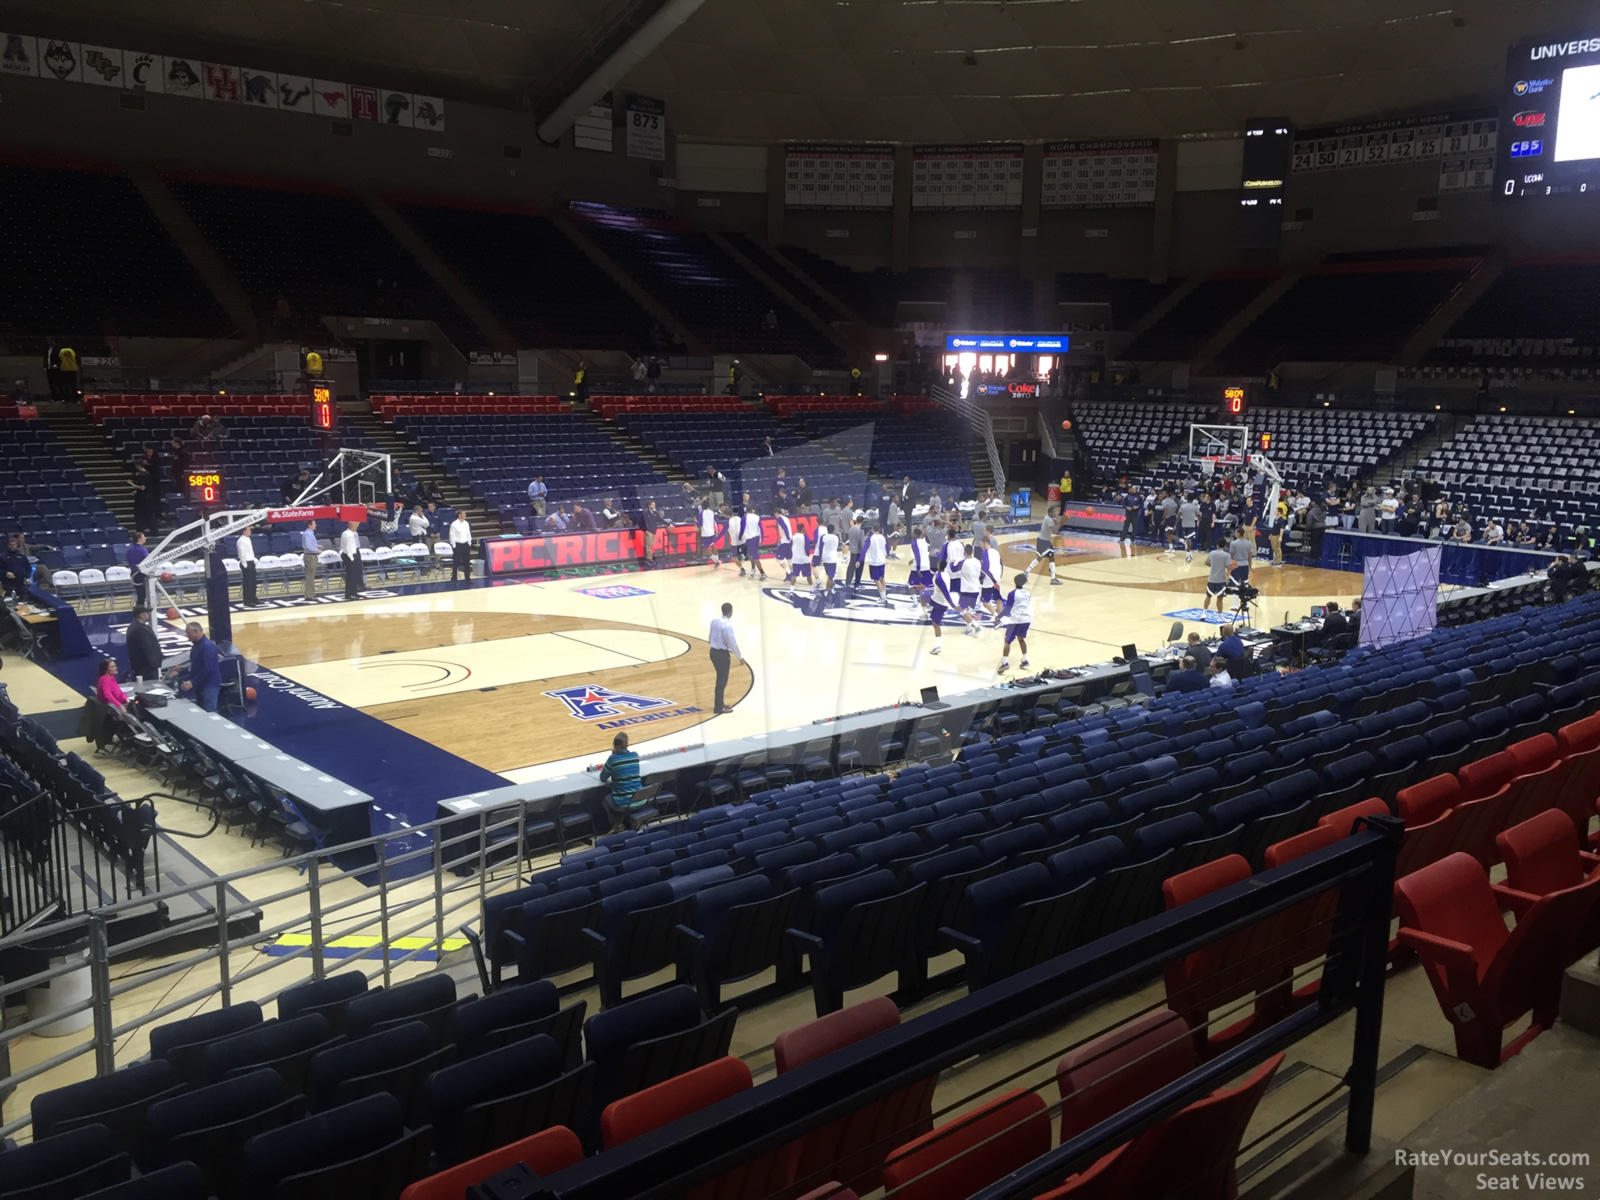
<point>107,66</point>
<point>19,54</point>
<point>102,66</point>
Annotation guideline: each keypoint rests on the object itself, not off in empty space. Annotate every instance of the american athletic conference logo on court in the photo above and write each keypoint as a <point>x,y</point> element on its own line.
<point>589,703</point>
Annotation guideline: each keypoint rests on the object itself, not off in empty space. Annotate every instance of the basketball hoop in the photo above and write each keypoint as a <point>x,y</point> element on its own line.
<point>1208,466</point>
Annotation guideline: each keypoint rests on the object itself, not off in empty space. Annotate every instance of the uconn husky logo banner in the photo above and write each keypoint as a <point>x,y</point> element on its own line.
<point>597,703</point>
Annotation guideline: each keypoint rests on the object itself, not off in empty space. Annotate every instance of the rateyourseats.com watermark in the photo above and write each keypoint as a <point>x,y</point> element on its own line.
<point>1530,1172</point>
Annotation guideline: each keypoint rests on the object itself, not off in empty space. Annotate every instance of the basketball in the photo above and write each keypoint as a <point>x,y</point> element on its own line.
<point>250,694</point>
<point>167,577</point>
<point>172,614</point>
<point>1066,424</point>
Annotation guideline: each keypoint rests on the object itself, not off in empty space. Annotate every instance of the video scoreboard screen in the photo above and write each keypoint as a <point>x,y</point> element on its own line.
<point>1550,117</point>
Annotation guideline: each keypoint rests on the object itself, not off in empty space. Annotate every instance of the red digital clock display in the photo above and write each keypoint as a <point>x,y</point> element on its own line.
<point>324,412</point>
<point>206,488</point>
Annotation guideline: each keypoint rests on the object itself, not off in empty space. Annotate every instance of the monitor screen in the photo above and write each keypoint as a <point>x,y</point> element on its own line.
<point>1318,610</point>
<point>930,695</point>
<point>1130,652</point>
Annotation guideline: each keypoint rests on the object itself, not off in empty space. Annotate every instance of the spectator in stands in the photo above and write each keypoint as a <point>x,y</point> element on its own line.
<point>205,429</point>
<point>766,444</point>
<point>735,377</point>
<point>582,519</point>
<point>460,549</point>
<point>538,493</point>
<point>637,373</point>
<point>68,360</point>
<point>1230,648</point>
<point>1463,529</point>
<point>802,497</point>
<point>430,493</point>
<point>177,456</point>
<point>650,521</point>
<point>13,567</point>
<point>1560,575</point>
<point>1441,518</point>
<point>610,514</point>
<point>1197,650</point>
<point>717,486</point>
<point>1334,622</point>
<point>1388,510</point>
<point>1493,533</point>
<point>146,504</point>
<point>1188,678</point>
<point>580,381</point>
<point>418,524</point>
<point>769,323</point>
<point>144,648</point>
<point>1367,513</point>
<point>855,381</point>
<point>294,485</point>
<point>621,771</point>
<point>557,521</point>
<point>310,558</point>
<point>350,554</point>
<point>652,373</point>
<point>106,686</point>
<point>1217,674</point>
<point>203,676</point>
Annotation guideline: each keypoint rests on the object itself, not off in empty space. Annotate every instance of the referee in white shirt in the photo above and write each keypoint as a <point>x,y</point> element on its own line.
<point>245,552</point>
<point>724,648</point>
<point>460,548</point>
<point>350,552</point>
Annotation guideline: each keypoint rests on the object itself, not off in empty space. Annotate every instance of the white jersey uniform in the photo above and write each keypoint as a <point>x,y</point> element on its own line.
<point>919,555</point>
<point>798,553</point>
<point>955,554</point>
<point>708,523</point>
<point>830,548</point>
<point>735,530</point>
<point>991,567</point>
<point>877,551</point>
<point>971,574</point>
<point>1019,607</point>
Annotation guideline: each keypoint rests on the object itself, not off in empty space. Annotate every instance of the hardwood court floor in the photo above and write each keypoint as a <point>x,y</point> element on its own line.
<point>472,671</point>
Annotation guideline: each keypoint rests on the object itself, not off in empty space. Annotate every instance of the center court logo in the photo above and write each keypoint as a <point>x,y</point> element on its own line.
<point>590,703</point>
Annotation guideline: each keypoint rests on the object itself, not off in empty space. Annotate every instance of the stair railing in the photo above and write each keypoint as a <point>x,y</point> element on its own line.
<point>978,419</point>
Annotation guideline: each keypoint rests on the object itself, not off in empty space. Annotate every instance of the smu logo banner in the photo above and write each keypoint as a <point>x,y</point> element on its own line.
<point>589,703</point>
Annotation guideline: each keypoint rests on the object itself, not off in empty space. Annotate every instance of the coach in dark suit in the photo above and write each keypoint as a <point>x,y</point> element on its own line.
<point>144,648</point>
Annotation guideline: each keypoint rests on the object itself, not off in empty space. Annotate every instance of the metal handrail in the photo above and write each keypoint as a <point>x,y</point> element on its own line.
<point>982,424</point>
<point>389,910</point>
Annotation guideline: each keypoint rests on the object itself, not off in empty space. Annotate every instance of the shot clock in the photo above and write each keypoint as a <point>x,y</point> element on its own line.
<point>207,489</point>
<point>324,412</point>
<point>1233,401</point>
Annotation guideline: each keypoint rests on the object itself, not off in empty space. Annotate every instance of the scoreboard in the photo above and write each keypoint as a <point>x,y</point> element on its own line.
<point>324,414</point>
<point>207,489</point>
<point>1550,118</point>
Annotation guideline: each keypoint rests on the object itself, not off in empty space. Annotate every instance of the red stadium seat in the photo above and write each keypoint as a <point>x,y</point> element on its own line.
<point>1579,743</point>
<point>1428,800</point>
<point>545,1153</point>
<point>1484,976</point>
<point>1343,819</point>
<point>967,1154</point>
<point>1301,844</point>
<point>853,1147</point>
<point>1119,1068</point>
<point>681,1095</point>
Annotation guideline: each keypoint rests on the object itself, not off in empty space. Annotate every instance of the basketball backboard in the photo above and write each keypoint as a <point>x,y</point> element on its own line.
<point>1227,445</point>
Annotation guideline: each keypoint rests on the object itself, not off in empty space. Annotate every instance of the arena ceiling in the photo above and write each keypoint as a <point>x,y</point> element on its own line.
<point>926,70</point>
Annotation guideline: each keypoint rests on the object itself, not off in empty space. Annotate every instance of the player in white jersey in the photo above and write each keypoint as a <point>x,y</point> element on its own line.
<point>736,540</point>
<point>876,554</point>
<point>921,572</point>
<point>708,532</point>
<point>799,557</point>
<point>1017,615</point>
<point>785,537</point>
<point>942,600</point>
<point>828,542</point>
<point>751,534</point>
<point>989,564</point>
<point>971,588</point>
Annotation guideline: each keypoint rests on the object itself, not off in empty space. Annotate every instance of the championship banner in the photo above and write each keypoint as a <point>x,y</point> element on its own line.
<point>984,176</point>
<point>317,512</point>
<point>547,552</point>
<point>1120,174</point>
<point>838,177</point>
<point>1462,143</point>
